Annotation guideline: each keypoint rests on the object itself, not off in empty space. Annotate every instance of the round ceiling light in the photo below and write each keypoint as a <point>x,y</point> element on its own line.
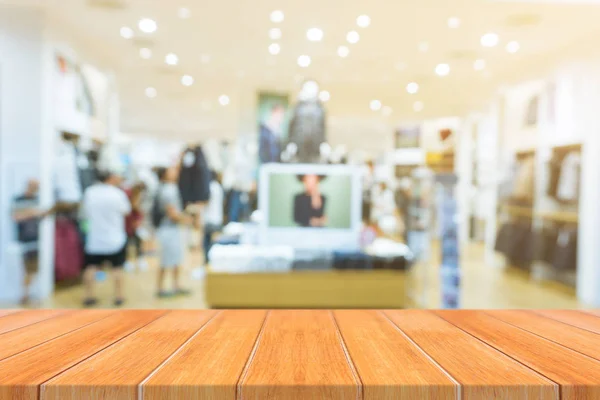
<point>187,80</point>
<point>304,61</point>
<point>412,87</point>
<point>275,33</point>
<point>363,21</point>
<point>490,40</point>
<point>126,32</point>
<point>224,100</point>
<point>343,51</point>
<point>274,49</point>
<point>375,105</point>
<point>151,92</point>
<point>479,65</point>
<point>314,34</point>
<point>324,96</point>
<point>513,47</point>
<point>453,22</point>
<point>145,53</point>
<point>171,59</point>
<point>277,16</point>
<point>147,25</point>
<point>352,37</point>
<point>442,69</point>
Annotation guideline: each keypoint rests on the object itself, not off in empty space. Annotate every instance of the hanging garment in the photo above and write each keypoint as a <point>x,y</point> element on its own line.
<point>307,130</point>
<point>269,148</point>
<point>524,183</point>
<point>554,171</point>
<point>568,187</point>
<point>194,177</point>
<point>546,244</point>
<point>68,250</point>
<point>565,255</point>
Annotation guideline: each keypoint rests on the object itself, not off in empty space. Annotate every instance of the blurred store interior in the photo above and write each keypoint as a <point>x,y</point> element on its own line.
<point>299,154</point>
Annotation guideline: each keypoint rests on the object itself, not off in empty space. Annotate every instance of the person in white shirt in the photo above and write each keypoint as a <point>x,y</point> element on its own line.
<point>105,207</point>
<point>213,214</point>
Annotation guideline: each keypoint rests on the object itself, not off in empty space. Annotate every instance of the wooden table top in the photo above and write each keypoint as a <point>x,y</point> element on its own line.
<point>299,354</point>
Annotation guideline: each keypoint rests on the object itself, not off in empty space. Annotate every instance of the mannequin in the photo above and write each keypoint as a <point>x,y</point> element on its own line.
<point>307,128</point>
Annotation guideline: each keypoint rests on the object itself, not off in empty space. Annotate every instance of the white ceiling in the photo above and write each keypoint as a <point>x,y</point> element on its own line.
<point>234,33</point>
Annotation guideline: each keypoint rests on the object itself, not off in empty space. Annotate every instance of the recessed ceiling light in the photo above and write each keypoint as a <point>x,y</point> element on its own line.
<point>205,58</point>
<point>275,33</point>
<point>423,47</point>
<point>184,13</point>
<point>187,80</point>
<point>453,22</point>
<point>151,92</point>
<point>490,40</point>
<point>442,69</point>
<point>479,65</point>
<point>363,21</point>
<point>375,105</point>
<point>412,87</point>
<point>223,100</point>
<point>126,32</point>
<point>387,111</point>
<point>418,106</point>
<point>352,37</point>
<point>145,53</point>
<point>324,96</point>
<point>304,61</point>
<point>314,34</point>
<point>274,49</point>
<point>277,16</point>
<point>171,59</point>
<point>343,51</point>
<point>147,25</point>
<point>513,47</point>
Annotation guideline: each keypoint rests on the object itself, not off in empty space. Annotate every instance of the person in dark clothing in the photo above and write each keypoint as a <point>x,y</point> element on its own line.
<point>309,206</point>
<point>270,136</point>
<point>194,177</point>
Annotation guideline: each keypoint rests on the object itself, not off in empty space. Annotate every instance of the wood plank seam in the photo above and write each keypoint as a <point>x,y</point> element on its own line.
<point>141,384</point>
<point>39,388</point>
<point>543,337</point>
<point>359,382</point>
<point>56,337</point>
<point>244,374</point>
<point>580,312</point>
<point>456,383</point>
<point>59,312</point>
<point>508,355</point>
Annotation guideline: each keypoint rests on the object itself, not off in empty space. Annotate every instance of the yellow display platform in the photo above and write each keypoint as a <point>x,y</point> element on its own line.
<point>307,289</point>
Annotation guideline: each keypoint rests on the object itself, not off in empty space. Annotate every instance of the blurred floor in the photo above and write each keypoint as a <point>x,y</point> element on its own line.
<point>483,286</point>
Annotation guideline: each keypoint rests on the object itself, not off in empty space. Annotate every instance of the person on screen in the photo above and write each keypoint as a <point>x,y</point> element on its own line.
<point>309,206</point>
<point>270,136</point>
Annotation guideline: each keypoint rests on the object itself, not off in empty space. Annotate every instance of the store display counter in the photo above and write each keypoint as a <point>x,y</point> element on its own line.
<point>307,289</point>
<point>299,354</point>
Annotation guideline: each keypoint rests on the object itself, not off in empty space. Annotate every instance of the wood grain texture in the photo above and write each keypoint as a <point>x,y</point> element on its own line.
<point>20,319</point>
<point>116,372</point>
<point>22,374</point>
<point>7,312</point>
<point>580,319</point>
<point>299,355</point>
<point>389,365</point>
<point>483,372</point>
<point>209,366</point>
<point>25,338</point>
<point>577,339</point>
<point>578,375</point>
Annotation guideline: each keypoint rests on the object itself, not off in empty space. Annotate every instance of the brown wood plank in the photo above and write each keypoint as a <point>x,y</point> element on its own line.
<point>136,357</point>
<point>18,320</point>
<point>210,364</point>
<point>22,374</point>
<point>389,365</point>
<point>22,339</point>
<point>577,339</point>
<point>579,319</point>
<point>299,355</point>
<point>7,312</point>
<point>483,372</point>
<point>558,363</point>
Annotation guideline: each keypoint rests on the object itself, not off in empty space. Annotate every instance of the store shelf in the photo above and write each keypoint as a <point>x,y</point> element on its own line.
<point>301,354</point>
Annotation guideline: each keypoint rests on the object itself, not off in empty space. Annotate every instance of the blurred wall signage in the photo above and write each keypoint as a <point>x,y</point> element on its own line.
<point>408,137</point>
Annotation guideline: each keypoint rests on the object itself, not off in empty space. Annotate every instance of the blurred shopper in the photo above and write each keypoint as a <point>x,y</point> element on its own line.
<point>213,214</point>
<point>27,214</point>
<point>105,207</point>
<point>168,216</point>
<point>270,135</point>
<point>133,224</point>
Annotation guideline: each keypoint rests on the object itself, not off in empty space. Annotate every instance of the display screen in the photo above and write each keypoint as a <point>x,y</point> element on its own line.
<point>310,201</point>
